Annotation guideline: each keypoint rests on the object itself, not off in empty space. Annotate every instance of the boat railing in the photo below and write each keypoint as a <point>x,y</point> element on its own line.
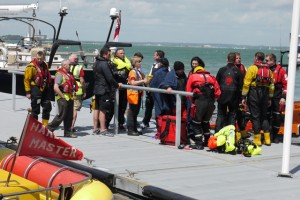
<point>178,95</point>
<point>60,187</point>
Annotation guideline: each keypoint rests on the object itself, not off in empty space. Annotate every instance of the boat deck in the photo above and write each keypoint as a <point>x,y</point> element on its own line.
<point>198,174</point>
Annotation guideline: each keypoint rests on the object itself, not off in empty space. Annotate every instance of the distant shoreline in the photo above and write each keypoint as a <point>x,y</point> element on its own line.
<point>10,38</point>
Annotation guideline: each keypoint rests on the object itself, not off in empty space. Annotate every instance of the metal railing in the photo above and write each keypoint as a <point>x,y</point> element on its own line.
<point>177,93</point>
<point>178,106</point>
<point>14,81</point>
<point>14,85</point>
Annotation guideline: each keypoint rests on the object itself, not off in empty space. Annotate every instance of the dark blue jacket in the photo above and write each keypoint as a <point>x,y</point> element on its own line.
<point>159,103</point>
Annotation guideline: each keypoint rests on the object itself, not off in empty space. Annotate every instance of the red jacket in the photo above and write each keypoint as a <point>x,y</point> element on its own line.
<point>280,79</point>
<point>200,78</point>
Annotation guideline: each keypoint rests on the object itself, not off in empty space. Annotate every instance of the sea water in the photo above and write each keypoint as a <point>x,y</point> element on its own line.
<point>214,56</point>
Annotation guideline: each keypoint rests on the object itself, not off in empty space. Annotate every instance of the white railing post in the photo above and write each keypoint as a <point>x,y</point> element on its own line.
<point>116,112</point>
<point>290,91</point>
<point>14,79</point>
<point>178,120</point>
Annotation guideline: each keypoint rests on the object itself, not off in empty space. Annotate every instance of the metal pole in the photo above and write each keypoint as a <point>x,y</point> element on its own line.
<point>14,79</point>
<point>62,14</point>
<point>290,91</point>
<point>111,25</point>
<point>116,112</point>
<point>178,120</point>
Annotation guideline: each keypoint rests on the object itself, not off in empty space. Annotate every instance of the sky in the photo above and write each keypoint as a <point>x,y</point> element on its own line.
<point>240,22</point>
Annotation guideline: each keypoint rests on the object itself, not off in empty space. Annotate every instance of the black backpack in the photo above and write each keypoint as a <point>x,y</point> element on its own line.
<point>207,89</point>
<point>228,81</point>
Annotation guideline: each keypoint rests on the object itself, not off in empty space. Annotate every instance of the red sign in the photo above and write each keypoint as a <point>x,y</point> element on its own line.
<point>39,141</point>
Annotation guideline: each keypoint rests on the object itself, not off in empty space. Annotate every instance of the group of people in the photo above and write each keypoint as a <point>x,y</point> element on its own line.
<point>69,88</point>
<point>259,90</point>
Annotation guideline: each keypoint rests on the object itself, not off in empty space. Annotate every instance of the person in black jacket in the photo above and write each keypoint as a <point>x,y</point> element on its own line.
<point>230,79</point>
<point>103,86</point>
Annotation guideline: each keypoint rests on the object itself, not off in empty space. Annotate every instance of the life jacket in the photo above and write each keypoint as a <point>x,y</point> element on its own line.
<point>122,64</point>
<point>280,77</point>
<point>68,86</point>
<point>75,71</point>
<point>42,77</point>
<point>242,68</point>
<point>228,81</point>
<point>122,68</point>
<point>263,76</point>
<point>133,94</point>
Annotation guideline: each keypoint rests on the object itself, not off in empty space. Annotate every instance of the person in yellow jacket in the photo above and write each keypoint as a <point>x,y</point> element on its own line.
<point>77,71</point>
<point>257,92</point>
<point>122,67</point>
<point>134,97</point>
<point>37,81</point>
<point>64,87</point>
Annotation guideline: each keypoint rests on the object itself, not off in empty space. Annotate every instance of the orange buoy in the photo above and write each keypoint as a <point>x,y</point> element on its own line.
<point>44,172</point>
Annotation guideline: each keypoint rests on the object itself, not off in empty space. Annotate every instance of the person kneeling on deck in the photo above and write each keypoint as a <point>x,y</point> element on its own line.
<point>37,81</point>
<point>206,90</point>
<point>134,97</point>
<point>64,87</point>
<point>224,142</point>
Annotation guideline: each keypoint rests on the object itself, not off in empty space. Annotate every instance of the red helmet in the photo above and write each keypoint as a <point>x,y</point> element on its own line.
<point>212,142</point>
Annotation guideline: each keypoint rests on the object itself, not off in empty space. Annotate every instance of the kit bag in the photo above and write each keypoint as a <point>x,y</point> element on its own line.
<point>166,130</point>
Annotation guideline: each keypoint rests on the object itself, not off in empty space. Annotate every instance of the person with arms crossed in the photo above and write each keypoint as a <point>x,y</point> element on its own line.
<point>123,66</point>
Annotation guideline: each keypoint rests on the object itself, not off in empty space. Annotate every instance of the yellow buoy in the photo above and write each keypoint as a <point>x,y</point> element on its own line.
<point>93,190</point>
